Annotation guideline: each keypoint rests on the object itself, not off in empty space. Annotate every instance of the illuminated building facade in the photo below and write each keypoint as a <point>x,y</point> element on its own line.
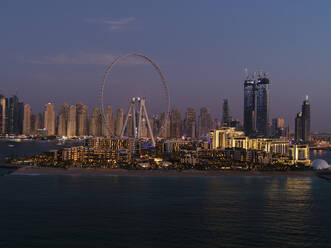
<point>49,119</point>
<point>3,114</point>
<point>119,122</point>
<point>62,120</point>
<point>95,123</point>
<point>108,122</point>
<point>27,127</point>
<point>81,119</point>
<point>71,128</point>
<point>229,138</point>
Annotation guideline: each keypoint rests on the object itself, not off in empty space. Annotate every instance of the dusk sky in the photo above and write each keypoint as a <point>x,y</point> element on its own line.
<point>57,51</point>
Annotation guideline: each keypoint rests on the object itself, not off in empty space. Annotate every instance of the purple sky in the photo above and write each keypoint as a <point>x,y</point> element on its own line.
<point>57,51</point>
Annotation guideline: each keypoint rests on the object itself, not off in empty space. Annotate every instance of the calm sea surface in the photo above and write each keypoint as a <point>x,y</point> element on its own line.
<point>156,211</point>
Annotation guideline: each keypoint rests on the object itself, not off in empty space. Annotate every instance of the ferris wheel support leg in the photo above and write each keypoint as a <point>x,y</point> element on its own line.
<point>126,120</point>
<point>149,126</point>
<point>134,123</point>
<point>141,104</point>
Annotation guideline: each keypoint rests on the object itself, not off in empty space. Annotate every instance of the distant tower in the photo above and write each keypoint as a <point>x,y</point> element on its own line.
<point>49,119</point>
<point>298,127</point>
<point>71,128</point>
<point>190,123</point>
<point>81,119</point>
<point>15,112</point>
<point>108,123</point>
<point>306,120</point>
<point>95,123</point>
<point>119,122</point>
<point>205,122</point>
<point>3,114</point>
<point>27,119</point>
<point>176,123</point>
<point>165,131</point>
<point>262,106</point>
<point>37,122</point>
<point>62,120</point>
<point>226,119</point>
<point>249,107</point>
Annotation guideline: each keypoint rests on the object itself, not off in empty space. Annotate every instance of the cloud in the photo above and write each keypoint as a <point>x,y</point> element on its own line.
<point>114,24</point>
<point>83,58</point>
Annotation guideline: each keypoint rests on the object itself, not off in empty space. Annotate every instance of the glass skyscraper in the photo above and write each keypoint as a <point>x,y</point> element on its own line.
<point>262,106</point>
<point>306,120</point>
<point>249,107</point>
<point>256,106</point>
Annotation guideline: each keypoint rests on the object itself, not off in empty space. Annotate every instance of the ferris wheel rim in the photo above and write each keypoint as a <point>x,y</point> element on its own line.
<point>156,67</point>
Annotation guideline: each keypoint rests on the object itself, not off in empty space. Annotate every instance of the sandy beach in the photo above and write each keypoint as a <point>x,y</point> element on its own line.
<point>123,172</point>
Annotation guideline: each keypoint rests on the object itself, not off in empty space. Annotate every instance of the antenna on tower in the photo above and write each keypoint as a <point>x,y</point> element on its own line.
<point>255,75</point>
<point>16,92</point>
<point>307,98</point>
<point>246,73</point>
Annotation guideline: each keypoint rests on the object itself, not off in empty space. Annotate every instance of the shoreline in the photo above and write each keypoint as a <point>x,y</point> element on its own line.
<point>184,173</point>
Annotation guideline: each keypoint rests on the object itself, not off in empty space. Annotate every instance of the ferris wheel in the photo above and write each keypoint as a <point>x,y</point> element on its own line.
<point>107,74</point>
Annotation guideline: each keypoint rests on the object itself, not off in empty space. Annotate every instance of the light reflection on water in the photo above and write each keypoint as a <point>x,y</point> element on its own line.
<point>161,211</point>
<point>142,211</point>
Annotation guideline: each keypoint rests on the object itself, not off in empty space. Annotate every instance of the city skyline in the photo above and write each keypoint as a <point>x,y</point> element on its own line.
<point>165,123</point>
<point>202,66</point>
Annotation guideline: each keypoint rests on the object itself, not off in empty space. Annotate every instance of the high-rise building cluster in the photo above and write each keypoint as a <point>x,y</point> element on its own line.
<point>11,115</point>
<point>17,118</point>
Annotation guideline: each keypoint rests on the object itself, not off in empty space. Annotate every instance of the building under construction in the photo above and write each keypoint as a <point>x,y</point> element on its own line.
<point>256,105</point>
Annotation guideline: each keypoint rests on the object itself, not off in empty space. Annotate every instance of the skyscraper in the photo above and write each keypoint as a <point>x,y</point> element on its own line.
<point>205,122</point>
<point>119,121</point>
<point>249,107</point>
<point>37,122</point>
<point>27,128</point>
<point>95,123</point>
<point>156,124</point>
<point>176,123</point>
<point>226,119</point>
<point>62,120</point>
<point>298,127</point>
<point>262,106</point>
<point>49,119</point>
<point>302,123</point>
<point>33,129</point>
<point>15,111</point>
<point>82,119</point>
<point>306,120</point>
<point>164,131</point>
<point>3,114</point>
<point>190,123</point>
<point>71,128</point>
<point>108,122</point>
